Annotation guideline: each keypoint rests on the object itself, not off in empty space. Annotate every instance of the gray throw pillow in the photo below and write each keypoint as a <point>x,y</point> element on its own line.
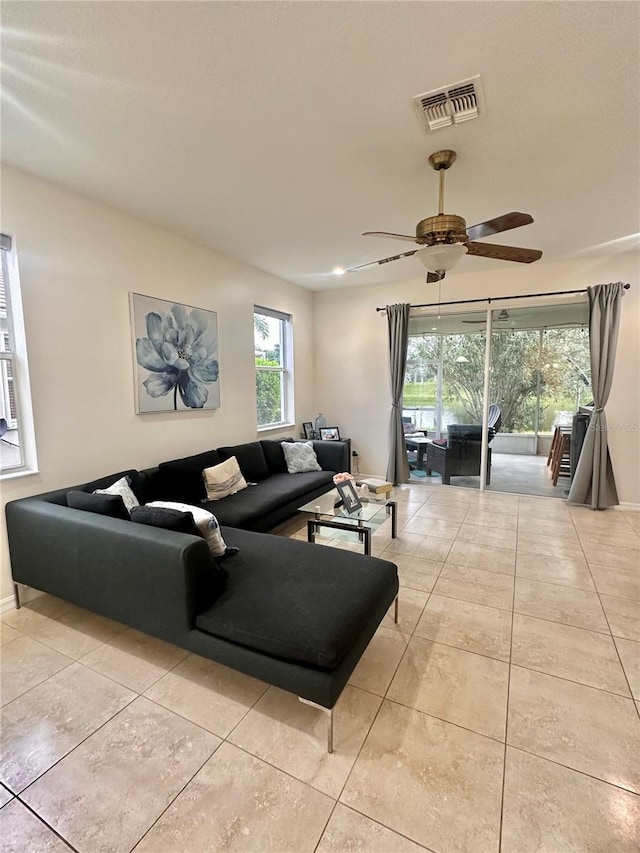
<point>300,457</point>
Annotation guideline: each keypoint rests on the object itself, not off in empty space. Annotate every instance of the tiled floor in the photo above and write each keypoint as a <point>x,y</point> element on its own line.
<point>498,714</point>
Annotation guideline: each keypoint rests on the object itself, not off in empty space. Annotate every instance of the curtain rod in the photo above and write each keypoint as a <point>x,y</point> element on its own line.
<point>491,299</point>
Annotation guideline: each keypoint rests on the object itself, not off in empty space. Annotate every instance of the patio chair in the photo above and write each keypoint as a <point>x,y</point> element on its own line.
<point>460,456</point>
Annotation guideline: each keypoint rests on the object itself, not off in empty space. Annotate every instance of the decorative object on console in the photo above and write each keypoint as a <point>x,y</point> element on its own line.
<point>176,353</point>
<point>223,479</point>
<point>349,495</point>
<point>300,457</point>
<point>320,423</point>
<point>329,434</point>
<point>309,432</point>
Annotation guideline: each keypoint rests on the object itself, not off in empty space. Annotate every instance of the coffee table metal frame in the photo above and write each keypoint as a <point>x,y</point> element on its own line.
<point>352,523</point>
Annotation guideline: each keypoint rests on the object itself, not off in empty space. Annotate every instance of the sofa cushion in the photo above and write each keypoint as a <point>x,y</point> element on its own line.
<point>274,456</point>
<point>111,505</point>
<point>300,457</point>
<point>166,518</point>
<point>241,509</point>
<point>223,480</point>
<point>181,479</point>
<point>297,601</point>
<point>205,522</point>
<point>122,488</point>
<point>250,459</point>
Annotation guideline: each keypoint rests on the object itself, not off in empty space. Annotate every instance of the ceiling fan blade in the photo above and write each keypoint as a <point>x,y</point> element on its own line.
<point>389,234</point>
<point>496,226</point>
<point>383,261</point>
<point>432,277</point>
<point>504,253</point>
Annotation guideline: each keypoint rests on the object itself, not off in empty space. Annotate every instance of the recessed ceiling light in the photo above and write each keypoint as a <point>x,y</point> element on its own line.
<point>338,271</point>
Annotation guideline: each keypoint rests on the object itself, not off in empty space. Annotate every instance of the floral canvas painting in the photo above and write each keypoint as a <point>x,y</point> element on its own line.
<point>175,356</point>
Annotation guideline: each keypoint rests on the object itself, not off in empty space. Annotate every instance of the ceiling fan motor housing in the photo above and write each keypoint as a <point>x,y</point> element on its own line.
<point>444,228</point>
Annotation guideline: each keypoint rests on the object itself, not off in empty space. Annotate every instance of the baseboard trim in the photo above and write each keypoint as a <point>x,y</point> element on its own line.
<point>27,594</point>
<point>8,603</point>
<point>628,507</point>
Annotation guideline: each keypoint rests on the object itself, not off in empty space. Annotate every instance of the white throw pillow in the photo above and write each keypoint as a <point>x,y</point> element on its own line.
<point>223,479</point>
<point>205,521</point>
<point>300,457</point>
<point>121,487</point>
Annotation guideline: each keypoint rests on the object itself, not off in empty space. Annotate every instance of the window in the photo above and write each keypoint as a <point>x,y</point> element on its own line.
<point>273,346</point>
<point>17,444</point>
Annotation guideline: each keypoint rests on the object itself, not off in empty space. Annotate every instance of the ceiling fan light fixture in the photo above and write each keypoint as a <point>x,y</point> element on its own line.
<point>442,257</point>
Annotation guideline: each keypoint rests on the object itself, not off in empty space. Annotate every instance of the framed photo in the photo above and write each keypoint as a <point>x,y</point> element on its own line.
<point>347,492</point>
<point>309,432</point>
<point>175,356</point>
<point>329,433</point>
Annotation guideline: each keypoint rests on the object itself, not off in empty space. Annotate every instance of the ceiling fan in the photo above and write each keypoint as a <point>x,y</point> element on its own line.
<point>501,318</point>
<point>443,239</point>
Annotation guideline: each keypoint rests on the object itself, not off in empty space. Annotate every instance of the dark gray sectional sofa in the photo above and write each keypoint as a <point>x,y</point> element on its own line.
<point>293,614</point>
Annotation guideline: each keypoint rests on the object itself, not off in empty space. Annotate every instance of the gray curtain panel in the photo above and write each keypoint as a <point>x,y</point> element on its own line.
<point>593,483</point>
<point>398,324</point>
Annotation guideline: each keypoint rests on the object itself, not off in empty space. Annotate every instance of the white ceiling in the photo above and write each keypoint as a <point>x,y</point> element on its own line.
<point>275,132</point>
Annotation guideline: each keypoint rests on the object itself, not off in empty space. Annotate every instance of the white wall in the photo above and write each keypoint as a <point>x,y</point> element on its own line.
<point>78,262</point>
<point>352,344</point>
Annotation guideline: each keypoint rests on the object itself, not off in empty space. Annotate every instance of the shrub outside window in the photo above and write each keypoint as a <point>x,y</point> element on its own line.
<point>273,347</point>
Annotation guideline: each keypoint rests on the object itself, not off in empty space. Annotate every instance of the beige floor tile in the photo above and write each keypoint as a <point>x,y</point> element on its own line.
<point>24,663</point>
<point>239,803</point>
<point>435,783</point>
<point>576,607</point>
<point>623,615</point>
<point>292,736</point>
<point>443,528</point>
<point>404,543</point>
<point>40,727</point>
<point>583,728</point>
<point>590,538</point>
<point>633,519</point>
<point>134,659</point>
<point>476,585</point>
<point>411,603</point>
<point>7,633</point>
<point>472,627</point>
<point>572,572</point>
<point>486,557</point>
<point>551,508</point>
<point>44,624</point>
<point>444,511</point>
<point>549,808</point>
<point>350,831</point>
<point>573,653</point>
<point>417,573</point>
<point>497,520</point>
<point>614,557</point>
<point>549,546</point>
<point>496,502</point>
<point>379,662</point>
<point>5,797</point>
<point>21,831</point>
<point>495,537</point>
<point>624,583</point>
<point>534,526</point>
<point>207,693</point>
<point>434,548</point>
<point>108,792</point>
<point>630,657</point>
<point>460,687</point>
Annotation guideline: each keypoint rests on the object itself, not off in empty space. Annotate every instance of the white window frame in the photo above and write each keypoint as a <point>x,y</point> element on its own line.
<point>18,361</point>
<point>285,370</point>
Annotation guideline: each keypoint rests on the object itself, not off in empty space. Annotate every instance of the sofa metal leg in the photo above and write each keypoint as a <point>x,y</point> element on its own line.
<point>395,610</point>
<point>16,595</point>
<point>329,712</point>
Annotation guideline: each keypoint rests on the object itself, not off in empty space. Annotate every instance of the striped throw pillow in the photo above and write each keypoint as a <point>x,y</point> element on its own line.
<point>224,479</point>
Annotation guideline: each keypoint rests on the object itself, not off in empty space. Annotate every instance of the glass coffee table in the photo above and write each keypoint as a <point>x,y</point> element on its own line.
<point>362,521</point>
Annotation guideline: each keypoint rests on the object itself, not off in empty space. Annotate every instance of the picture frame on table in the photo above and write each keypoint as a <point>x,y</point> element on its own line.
<point>329,434</point>
<point>350,498</point>
<point>308,430</point>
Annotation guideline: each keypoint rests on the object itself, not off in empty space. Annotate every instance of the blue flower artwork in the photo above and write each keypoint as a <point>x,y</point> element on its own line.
<point>176,356</point>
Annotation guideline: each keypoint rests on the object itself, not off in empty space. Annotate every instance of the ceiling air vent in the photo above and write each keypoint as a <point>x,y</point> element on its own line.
<point>452,104</point>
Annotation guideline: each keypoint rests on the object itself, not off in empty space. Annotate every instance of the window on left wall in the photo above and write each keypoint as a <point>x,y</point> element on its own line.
<point>17,438</point>
<point>273,348</point>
